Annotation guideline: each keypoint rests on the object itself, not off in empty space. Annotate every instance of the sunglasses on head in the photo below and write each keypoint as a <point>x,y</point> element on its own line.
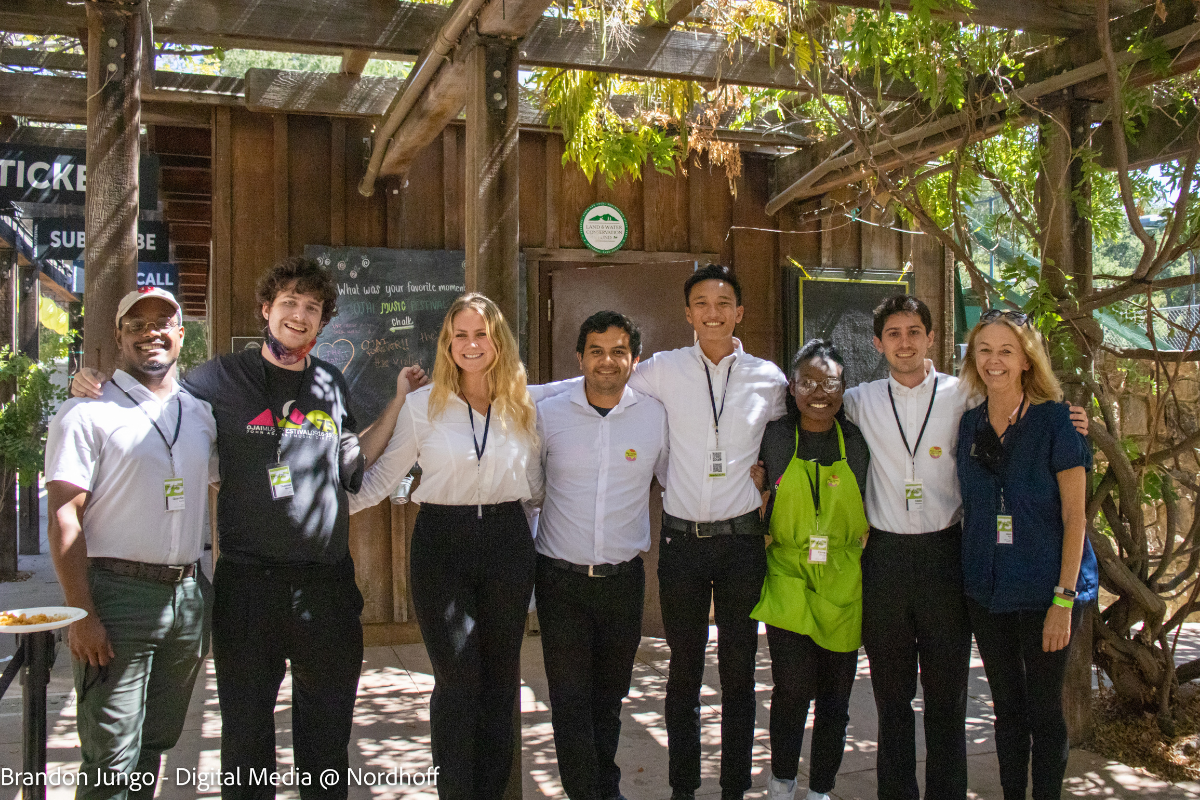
<point>1015,317</point>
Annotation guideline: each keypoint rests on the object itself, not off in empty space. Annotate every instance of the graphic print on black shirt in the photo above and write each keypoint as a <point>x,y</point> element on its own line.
<point>255,424</point>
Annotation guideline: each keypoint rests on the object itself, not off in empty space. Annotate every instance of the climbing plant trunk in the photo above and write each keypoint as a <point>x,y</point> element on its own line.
<point>113,149</point>
<point>1067,268</point>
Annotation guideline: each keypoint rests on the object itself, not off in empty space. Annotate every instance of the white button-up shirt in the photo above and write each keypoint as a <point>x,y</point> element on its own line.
<point>867,406</point>
<point>450,472</point>
<point>598,471</point>
<point>109,448</point>
<point>755,394</point>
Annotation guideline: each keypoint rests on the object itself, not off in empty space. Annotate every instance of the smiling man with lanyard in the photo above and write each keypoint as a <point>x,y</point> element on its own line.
<point>719,400</point>
<point>127,484</point>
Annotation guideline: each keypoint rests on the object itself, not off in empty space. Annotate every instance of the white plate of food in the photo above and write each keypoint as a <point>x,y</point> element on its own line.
<point>45,618</point>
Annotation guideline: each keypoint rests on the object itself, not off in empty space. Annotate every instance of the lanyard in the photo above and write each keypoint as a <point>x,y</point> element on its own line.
<point>267,379</point>
<point>178,421</point>
<point>985,420</point>
<point>479,448</point>
<point>912,452</point>
<point>1012,424</point>
<point>713,398</point>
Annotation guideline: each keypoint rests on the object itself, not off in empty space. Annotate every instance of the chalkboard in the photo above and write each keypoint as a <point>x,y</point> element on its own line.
<point>842,310</point>
<point>390,309</point>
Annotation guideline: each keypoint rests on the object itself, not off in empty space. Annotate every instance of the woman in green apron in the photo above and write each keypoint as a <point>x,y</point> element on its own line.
<point>815,463</point>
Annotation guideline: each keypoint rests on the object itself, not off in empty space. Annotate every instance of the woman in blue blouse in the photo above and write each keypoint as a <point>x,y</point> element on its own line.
<point>1027,564</point>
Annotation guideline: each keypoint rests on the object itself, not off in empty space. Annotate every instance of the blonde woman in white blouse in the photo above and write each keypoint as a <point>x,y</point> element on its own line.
<point>474,431</point>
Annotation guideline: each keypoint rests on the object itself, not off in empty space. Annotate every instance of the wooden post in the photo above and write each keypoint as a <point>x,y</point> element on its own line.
<point>113,126</point>
<point>27,343</point>
<point>492,175</point>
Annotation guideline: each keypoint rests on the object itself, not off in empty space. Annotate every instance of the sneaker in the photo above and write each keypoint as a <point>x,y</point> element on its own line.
<point>781,790</point>
<point>681,794</point>
<point>732,794</point>
<point>816,796</point>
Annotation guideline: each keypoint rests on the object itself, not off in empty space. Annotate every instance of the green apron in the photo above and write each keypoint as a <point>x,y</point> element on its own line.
<point>822,601</point>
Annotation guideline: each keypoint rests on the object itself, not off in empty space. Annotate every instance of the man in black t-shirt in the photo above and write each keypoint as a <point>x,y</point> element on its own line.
<point>285,590</point>
<point>284,582</point>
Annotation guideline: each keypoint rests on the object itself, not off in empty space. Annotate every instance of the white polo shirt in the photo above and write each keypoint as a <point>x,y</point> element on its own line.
<point>755,396</point>
<point>109,447</point>
<point>598,472</point>
<point>868,406</point>
<point>451,474</point>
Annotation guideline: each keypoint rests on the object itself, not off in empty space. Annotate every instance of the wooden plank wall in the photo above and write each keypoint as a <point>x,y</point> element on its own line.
<point>281,182</point>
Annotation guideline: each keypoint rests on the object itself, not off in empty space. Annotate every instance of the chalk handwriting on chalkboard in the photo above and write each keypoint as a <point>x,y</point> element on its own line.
<point>390,309</point>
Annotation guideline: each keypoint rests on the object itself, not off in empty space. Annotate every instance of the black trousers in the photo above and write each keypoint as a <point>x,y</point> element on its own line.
<point>803,671</point>
<point>471,583</point>
<point>915,617</point>
<point>1026,686</point>
<point>591,628</point>
<point>265,618</point>
<point>726,573</point>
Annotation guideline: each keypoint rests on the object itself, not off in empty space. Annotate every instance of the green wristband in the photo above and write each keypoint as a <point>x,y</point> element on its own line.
<point>1063,602</point>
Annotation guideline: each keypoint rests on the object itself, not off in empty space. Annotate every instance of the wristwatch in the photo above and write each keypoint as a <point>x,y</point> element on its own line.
<point>1071,593</point>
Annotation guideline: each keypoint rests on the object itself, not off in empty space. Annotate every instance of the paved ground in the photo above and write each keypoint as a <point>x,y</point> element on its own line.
<point>391,734</point>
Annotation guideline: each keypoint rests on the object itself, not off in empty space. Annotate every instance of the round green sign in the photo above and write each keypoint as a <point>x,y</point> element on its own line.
<point>603,228</point>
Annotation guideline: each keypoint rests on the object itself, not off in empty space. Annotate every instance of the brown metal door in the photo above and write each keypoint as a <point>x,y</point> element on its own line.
<point>652,296</point>
<point>649,294</point>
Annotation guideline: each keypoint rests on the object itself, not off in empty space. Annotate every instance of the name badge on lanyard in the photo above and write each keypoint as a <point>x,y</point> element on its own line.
<point>173,491</point>
<point>715,463</point>
<point>914,494</point>
<point>914,487</point>
<point>280,476</point>
<point>818,549</point>
<point>1004,523</point>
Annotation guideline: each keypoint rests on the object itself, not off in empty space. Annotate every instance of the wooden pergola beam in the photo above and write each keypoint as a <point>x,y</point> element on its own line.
<point>1036,16</point>
<point>400,29</point>
<point>55,99</point>
<point>354,61</point>
<point>1164,138</point>
<point>52,99</point>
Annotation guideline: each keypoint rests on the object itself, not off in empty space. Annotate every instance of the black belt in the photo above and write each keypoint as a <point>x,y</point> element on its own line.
<point>472,511</point>
<point>747,524</point>
<point>595,570</point>
<point>953,530</point>
<point>159,573</point>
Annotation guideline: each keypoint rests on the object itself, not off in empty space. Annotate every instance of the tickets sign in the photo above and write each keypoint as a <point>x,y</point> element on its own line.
<point>36,174</point>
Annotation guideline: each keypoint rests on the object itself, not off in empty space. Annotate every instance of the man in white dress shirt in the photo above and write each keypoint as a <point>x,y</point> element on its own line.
<point>601,445</point>
<point>127,478</point>
<point>914,610</point>
<point>718,399</point>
